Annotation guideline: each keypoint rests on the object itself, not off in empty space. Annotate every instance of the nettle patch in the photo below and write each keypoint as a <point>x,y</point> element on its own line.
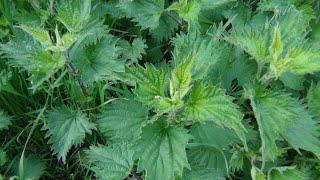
<point>160,89</point>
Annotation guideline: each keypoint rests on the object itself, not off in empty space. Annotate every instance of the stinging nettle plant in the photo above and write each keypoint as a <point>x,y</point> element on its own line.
<point>160,89</point>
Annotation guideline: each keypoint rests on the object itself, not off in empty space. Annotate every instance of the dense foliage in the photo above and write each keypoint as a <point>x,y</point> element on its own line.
<point>160,89</point>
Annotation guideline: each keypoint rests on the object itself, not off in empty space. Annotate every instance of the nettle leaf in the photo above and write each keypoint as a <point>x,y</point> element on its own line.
<point>74,14</point>
<point>41,64</point>
<point>206,50</point>
<point>152,84</point>
<point>83,29</point>
<point>123,120</point>
<point>292,81</point>
<point>189,11</point>
<point>97,61</point>
<point>33,167</point>
<point>299,61</point>
<point>110,162</point>
<point>5,120</point>
<point>203,174</point>
<point>66,128</point>
<point>41,35</point>
<point>209,103</point>
<point>284,173</point>
<point>281,116</point>
<point>146,13</point>
<point>209,4</point>
<point>134,51</point>
<point>287,51</point>
<point>251,42</point>
<point>210,147</point>
<point>168,24</point>
<point>314,100</point>
<point>161,151</point>
<point>181,78</point>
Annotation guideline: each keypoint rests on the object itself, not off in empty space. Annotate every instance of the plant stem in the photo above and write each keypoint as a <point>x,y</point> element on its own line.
<point>76,73</point>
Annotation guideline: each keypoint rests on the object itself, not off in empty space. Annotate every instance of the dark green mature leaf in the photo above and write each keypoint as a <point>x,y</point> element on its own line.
<point>210,4</point>
<point>203,174</point>
<point>134,51</point>
<point>123,120</point>
<point>284,173</point>
<point>112,162</point>
<point>161,151</point>
<point>209,150</point>
<point>314,100</point>
<point>209,103</point>
<point>292,81</point>
<point>168,24</point>
<point>66,128</point>
<point>40,63</point>
<point>281,116</point>
<point>146,13</point>
<point>96,62</point>
<point>5,120</point>
<point>34,167</point>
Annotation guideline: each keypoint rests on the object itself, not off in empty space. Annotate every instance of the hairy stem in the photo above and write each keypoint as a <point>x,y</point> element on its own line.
<point>76,73</point>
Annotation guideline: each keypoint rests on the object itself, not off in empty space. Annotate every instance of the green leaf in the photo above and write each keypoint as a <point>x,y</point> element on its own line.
<point>123,120</point>
<point>66,128</point>
<point>41,35</point>
<point>181,78</point>
<point>298,61</point>
<point>74,14</point>
<point>281,116</point>
<point>112,162</point>
<point>146,13</point>
<point>284,173</point>
<point>210,146</point>
<point>5,120</point>
<point>134,51</point>
<point>206,50</point>
<point>210,4</point>
<point>96,62</point>
<point>256,174</point>
<point>203,174</point>
<point>152,84</point>
<point>314,100</point>
<point>39,63</point>
<point>161,151</point>
<point>209,103</point>
<point>189,11</point>
<point>251,42</point>
<point>168,24</point>
<point>304,133</point>
<point>33,168</point>
<point>292,81</point>
<point>276,46</point>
